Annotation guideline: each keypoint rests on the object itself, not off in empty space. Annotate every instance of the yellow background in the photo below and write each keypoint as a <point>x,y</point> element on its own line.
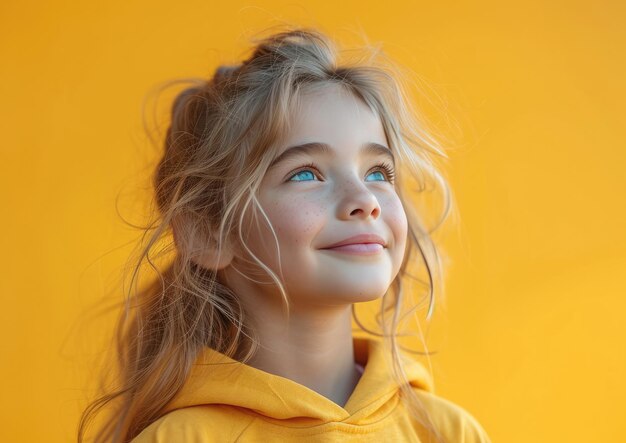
<point>532,339</point>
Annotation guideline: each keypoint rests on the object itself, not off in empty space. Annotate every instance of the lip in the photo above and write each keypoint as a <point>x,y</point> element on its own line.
<point>359,239</point>
<point>358,249</point>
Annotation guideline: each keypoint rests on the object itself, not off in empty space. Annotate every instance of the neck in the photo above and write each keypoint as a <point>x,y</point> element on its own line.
<point>313,348</point>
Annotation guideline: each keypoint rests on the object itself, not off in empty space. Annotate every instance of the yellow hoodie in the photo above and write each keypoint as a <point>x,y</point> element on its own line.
<point>227,401</point>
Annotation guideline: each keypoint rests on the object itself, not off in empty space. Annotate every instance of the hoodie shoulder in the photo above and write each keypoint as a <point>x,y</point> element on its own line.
<point>456,423</point>
<point>217,425</point>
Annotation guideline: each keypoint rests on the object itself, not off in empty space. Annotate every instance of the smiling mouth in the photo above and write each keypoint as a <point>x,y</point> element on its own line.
<point>358,248</point>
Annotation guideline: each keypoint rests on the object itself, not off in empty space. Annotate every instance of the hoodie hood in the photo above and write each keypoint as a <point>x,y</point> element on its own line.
<point>216,379</point>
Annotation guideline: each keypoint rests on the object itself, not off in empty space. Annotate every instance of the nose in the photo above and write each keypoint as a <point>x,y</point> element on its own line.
<point>358,202</point>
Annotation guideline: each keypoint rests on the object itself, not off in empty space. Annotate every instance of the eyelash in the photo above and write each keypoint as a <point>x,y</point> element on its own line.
<point>385,167</point>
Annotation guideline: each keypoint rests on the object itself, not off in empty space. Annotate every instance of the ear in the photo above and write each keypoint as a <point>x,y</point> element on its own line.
<point>203,248</point>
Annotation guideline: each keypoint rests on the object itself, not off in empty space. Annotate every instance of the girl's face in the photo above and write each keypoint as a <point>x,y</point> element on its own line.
<point>317,196</point>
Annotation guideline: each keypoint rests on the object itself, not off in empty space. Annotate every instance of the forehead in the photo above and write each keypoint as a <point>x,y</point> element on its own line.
<point>335,116</point>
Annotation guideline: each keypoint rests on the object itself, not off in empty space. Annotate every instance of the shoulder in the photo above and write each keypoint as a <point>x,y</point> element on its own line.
<point>198,424</point>
<point>456,423</point>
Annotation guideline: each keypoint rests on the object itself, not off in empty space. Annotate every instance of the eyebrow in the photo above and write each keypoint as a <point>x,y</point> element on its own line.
<point>371,148</point>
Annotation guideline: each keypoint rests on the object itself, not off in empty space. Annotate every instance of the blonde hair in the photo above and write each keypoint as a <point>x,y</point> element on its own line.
<point>220,141</point>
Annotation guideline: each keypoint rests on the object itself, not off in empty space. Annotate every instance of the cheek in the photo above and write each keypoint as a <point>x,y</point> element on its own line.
<point>396,218</point>
<point>296,220</point>
<point>397,222</point>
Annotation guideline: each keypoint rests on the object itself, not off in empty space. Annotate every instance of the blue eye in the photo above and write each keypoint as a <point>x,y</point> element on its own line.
<point>380,174</point>
<point>302,172</point>
<point>306,169</point>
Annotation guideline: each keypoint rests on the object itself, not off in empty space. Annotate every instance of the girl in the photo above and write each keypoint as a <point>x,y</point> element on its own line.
<point>284,181</point>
